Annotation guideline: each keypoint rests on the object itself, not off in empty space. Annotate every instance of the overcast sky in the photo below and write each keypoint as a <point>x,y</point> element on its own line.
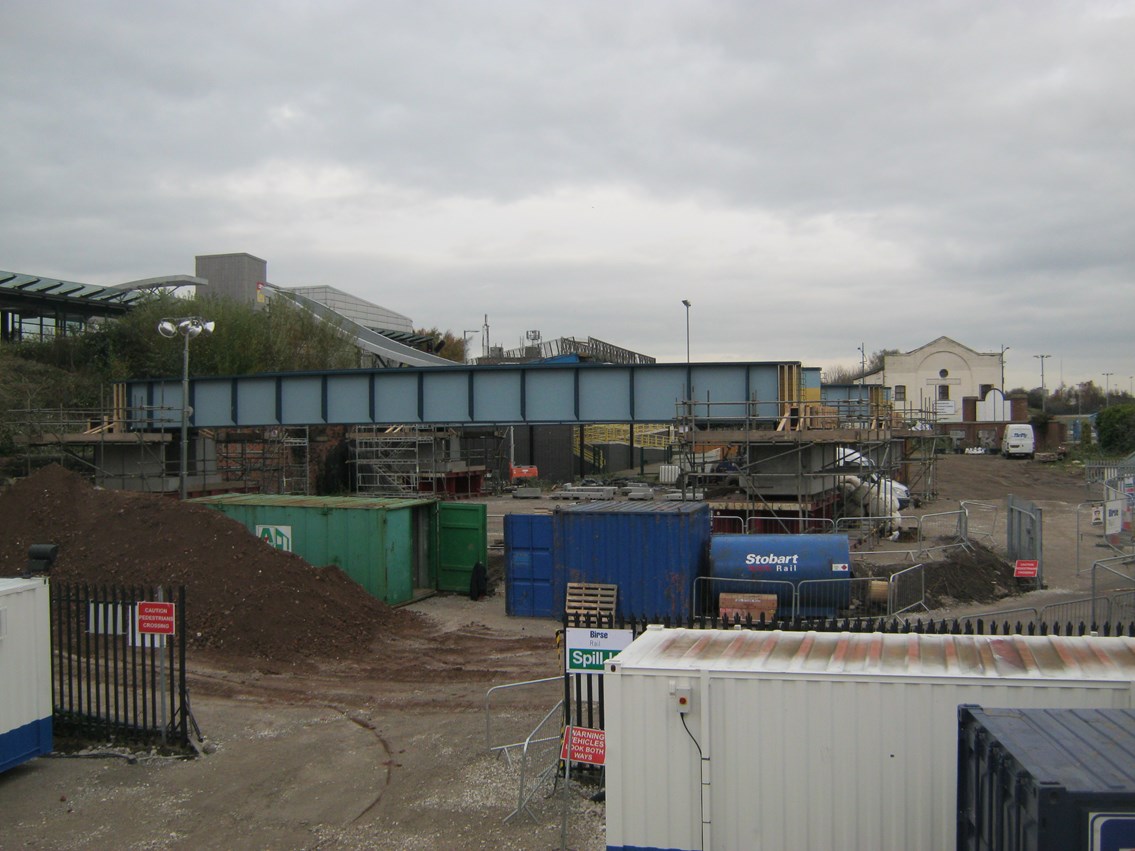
<point>812,176</point>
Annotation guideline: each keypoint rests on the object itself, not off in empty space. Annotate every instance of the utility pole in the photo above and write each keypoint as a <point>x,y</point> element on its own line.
<point>1043,391</point>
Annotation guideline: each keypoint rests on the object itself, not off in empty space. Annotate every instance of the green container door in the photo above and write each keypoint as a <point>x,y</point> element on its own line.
<point>463,540</point>
<point>398,562</point>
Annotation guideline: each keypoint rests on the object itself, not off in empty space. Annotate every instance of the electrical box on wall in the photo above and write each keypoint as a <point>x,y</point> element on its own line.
<point>681,695</point>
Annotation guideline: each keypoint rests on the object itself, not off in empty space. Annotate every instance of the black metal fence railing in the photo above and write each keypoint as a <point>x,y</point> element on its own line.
<point>583,693</point>
<point>113,679</point>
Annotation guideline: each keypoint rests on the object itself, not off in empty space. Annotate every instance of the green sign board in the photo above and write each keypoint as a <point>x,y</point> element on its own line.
<point>586,650</point>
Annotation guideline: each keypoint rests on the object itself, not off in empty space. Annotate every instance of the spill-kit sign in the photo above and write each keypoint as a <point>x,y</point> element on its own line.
<point>587,649</point>
<point>279,537</point>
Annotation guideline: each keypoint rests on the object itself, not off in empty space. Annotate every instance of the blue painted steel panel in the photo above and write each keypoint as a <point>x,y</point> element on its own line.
<point>653,552</point>
<point>396,397</point>
<point>213,395</point>
<point>604,396</point>
<point>525,394</point>
<point>348,398</point>
<point>529,566</point>
<point>25,742</point>
<point>446,398</point>
<point>497,393</point>
<point>550,394</point>
<point>784,558</point>
<point>253,394</point>
<point>302,400</point>
<point>657,392</point>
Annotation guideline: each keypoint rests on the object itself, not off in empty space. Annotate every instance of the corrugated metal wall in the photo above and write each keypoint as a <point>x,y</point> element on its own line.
<point>820,740</point>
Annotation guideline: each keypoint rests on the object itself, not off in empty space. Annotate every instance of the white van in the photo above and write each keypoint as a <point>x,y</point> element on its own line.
<point>1018,441</point>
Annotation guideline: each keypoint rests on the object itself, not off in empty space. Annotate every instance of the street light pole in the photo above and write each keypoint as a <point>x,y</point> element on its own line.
<point>689,386</point>
<point>465,346</point>
<point>188,328</point>
<point>1107,392</point>
<point>1043,390</point>
<point>1004,349</point>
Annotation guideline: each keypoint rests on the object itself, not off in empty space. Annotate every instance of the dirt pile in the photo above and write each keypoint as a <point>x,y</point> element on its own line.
<point>977,575</point>
<point>243,597</point>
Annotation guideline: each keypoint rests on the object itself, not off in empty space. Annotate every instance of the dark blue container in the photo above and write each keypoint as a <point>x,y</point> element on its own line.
<point>1046,779</point>
<point>529,566</point>
<point>778,564</point>
<point>652,551</point>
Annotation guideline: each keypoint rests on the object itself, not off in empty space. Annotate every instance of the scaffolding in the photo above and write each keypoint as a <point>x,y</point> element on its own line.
<point>409,460</point>
<point>117,448</point>
<point>778,465</point>
<point>272,460</point>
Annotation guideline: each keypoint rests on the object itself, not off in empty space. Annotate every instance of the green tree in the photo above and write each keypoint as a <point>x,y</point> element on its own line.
<point>446,344</point>
<point>1116,428</point>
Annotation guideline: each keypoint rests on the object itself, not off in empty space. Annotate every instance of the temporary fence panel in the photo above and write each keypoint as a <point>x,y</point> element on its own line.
<point>981,521</point>
<point>857,747</point>
<point>906,590</point>
<point>1024,524</point>
<point>113,677</point>
<point>25,671</point>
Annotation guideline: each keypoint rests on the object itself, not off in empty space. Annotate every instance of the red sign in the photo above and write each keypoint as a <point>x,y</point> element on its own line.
<point>154,618</point>
<point>1026,568</point>
<point>583,744</point>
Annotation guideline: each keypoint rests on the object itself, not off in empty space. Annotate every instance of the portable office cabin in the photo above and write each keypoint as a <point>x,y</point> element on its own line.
<point>391,547</point>
<point>819,740</point>
<point>25,671</point>
<point>652,551</point>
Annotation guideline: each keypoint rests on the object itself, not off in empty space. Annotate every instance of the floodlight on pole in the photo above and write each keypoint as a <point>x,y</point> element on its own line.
<point>188,327</point>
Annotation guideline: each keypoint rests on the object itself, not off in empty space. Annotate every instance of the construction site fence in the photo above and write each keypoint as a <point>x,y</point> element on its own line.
<point>1096,472</point>
<point>864,596</point>
<point>585,706</point>
<point>981,521</point>
<point>111,682</point>
<point>732,524</point>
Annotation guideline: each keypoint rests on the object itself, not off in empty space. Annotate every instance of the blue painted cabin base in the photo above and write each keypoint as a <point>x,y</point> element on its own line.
<point>23,743</point>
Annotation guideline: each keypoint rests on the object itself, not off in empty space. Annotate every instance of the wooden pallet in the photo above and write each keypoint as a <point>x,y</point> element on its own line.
<point>591,599</point>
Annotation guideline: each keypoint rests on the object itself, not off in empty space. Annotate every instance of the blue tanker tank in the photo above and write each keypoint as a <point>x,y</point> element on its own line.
<point>810,574</point>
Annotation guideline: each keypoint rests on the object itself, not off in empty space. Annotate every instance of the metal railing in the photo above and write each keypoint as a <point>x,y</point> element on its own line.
<point>109,681</point>
<point>906,590</point>
<point>981,520</point>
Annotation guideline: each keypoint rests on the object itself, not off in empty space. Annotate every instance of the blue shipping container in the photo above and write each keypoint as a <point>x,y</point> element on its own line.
<point>529,566</point>
<point>767,562</point>
<point>652,551</point>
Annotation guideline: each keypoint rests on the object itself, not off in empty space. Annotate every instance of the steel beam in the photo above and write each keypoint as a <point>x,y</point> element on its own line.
<point>459,395</point>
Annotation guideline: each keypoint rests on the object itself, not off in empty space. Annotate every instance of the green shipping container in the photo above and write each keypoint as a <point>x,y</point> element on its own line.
<point>385,545</point>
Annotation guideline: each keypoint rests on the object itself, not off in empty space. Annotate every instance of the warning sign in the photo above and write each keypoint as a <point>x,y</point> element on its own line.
<point>154,618</point>
<point>583,744</point>
<point>1026,568</point>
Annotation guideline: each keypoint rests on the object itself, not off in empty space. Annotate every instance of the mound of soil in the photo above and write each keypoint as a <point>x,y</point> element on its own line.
<point>243,597</point>
<point>977,576</point>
